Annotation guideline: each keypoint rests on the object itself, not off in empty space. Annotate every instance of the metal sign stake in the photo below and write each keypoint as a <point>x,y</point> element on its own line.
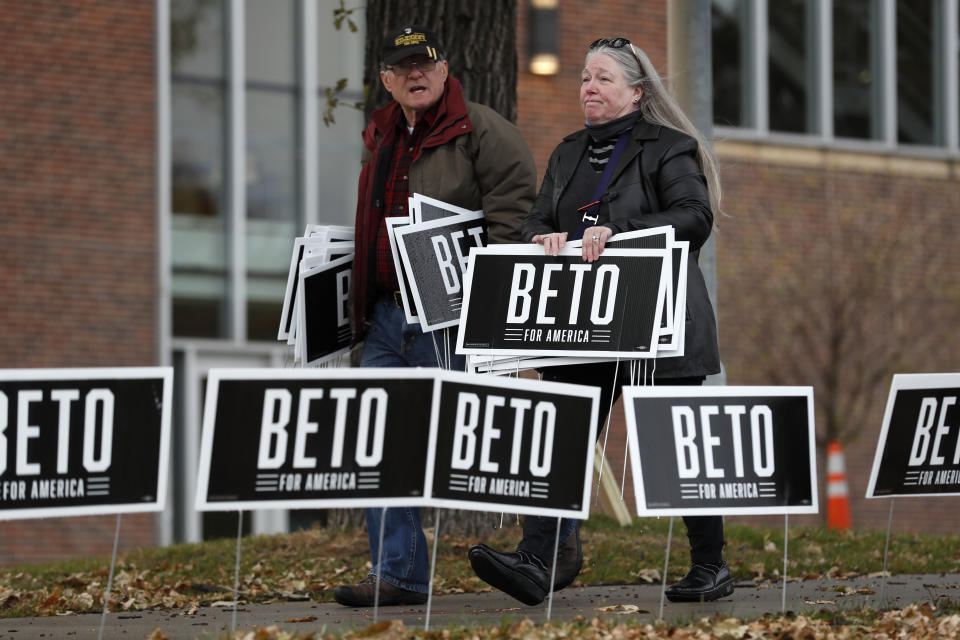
<point>376,584</point>
<point>666,565</point>
<point>634,366</point>
<point>433,565</point>
<point>553,570</point>
<point>113,562</point>
<point>236,574</point>
<point>606,434</point>
<point>783,597</point>
<point>886,551</point>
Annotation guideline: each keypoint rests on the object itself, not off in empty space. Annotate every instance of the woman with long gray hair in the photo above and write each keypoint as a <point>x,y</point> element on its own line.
<point>639,163</point>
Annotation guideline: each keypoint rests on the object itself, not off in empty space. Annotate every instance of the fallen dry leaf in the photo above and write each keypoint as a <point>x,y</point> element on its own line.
<point>74,581</point>
<point>225,603</point>
<point>729,628</point>
<point>648,575</point>
<point>388,630</point>
<point>621,608</point>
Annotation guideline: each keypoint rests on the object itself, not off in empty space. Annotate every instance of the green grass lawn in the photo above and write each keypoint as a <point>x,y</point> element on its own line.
<point>309,564</point>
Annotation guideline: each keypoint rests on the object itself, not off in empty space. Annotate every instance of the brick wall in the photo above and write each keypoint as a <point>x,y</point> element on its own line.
<point>77,213</point>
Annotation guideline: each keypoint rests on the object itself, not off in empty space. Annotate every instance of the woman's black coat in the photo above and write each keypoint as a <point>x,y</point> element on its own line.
<point>657,182</point>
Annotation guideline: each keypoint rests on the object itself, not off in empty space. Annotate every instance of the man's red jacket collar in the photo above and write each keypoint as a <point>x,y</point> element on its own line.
<point>452,109</point>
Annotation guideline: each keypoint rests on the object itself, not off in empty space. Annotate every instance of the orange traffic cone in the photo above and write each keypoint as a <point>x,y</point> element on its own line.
<point>838,494</point>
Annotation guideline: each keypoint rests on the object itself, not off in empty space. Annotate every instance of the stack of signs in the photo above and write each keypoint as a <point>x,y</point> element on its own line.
<point>430,251</point>
<point>918,453</point>
<point>721,450</point>
<point>319,438</point>
<point>424,209</point>
<point>315,315</point>
<point>84,441</point>
<point>525,309</point>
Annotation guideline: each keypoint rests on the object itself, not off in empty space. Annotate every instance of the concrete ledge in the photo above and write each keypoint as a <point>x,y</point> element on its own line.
<point>837,160</point>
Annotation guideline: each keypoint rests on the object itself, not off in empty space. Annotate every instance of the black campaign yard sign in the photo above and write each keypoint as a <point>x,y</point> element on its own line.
<point>514,445</point>
<point>722,450</point>
<point>520,301</point>
<point>314,438</point>
<point>83,441</point>
<point>918,452</point>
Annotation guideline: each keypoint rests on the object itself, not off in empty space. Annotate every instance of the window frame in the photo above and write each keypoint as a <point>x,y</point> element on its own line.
<point>755,52</point>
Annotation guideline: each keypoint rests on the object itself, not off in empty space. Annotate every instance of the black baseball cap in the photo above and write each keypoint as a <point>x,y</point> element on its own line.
<point>409,41</point>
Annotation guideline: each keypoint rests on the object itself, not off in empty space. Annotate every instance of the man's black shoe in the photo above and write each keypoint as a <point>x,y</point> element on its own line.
<point>703,583</point>
<point>362,594</point>
<point>516,573</point>
<point>569,561</point>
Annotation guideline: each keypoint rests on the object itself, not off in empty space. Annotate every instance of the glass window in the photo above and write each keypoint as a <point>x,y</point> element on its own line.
<point>272,206</point>
<point>789,66</point>
<point>197,149</point>
<point>915,71</point>
<point>854,108</point>
<point>199,259</point>
<point>272,158</point>
<point>197,38</point>
<point>272,151</point>
<point>729,34</point>
<point>271,41</point>
<point>340,144</point>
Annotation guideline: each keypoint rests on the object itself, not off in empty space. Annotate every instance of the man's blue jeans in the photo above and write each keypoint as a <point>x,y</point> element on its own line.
<point>391,342</point>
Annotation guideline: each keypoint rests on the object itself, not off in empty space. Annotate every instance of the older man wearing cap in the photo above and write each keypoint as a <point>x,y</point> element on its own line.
<point>428,140</point>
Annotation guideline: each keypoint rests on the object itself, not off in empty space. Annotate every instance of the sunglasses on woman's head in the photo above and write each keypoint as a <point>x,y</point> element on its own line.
<point>615,43</point>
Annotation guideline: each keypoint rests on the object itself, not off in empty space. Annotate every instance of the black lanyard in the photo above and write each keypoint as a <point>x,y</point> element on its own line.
<point>591,212</point>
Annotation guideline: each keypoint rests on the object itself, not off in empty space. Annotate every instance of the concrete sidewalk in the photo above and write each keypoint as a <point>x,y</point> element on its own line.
<point>634,602</point>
